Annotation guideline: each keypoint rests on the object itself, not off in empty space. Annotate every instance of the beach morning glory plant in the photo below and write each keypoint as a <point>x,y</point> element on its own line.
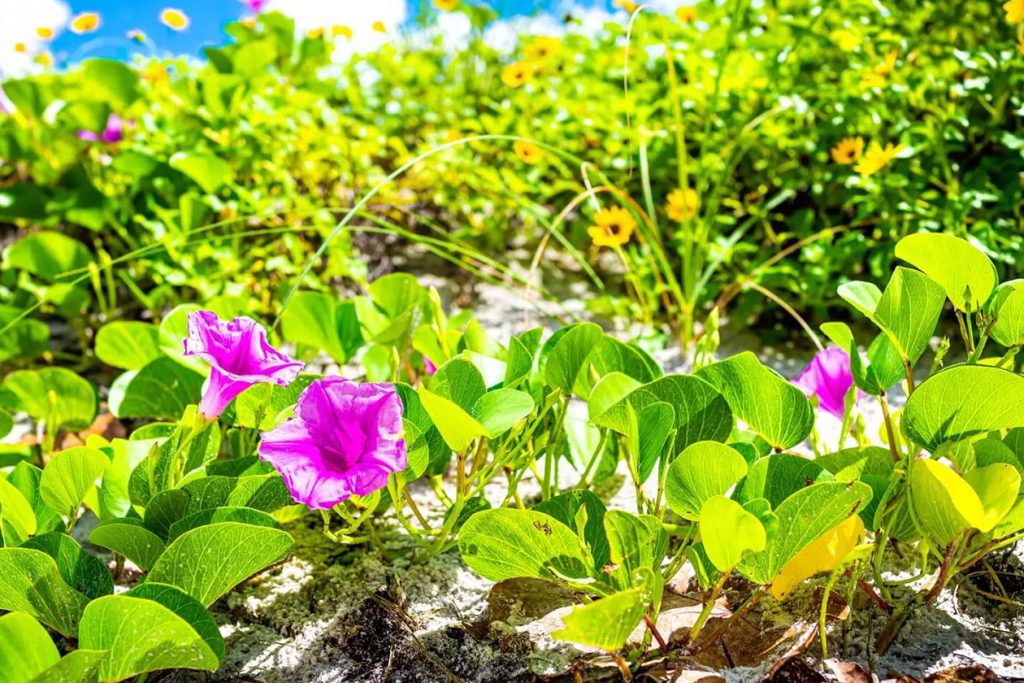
<point>112,132</point>
<point>239,356</point>
<point>345,439</point>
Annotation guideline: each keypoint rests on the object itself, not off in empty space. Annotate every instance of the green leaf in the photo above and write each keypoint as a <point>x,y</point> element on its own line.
<point>56,395</point>
<point>909,311</point>
<point>460,382</point>
<point>140,636</point>
<point>26,477</point>
<point>962,401</point>
<point>186,607</point>
<point>111,80</point>
<point>704,470</point>
<point>209,561</point>
<point>611,390</point>
<point>569,354</point>
<point>81,570</point>
<point>131,539</point>
<point>635,542</point>
<point>729,533</point>
<point>499,410</point>
<point>47,254</point>
<point>318,321</point>
<point>507,544</point>
<point>19,520</point>
<point>161,389</point>
<point>771,406</point>
<point>964,271</point>
<point>944,503</point>
<point>69,476</point>
<point>701,412</point>
<point>654,427</point>
<point>565,507</point>
<point>1008,329</point>
<point>208,171</point>
<point>128,345</point>
<point>78,666</point>
<point>778,476</point>
<point>243,515</point>
<point>25,648</point>
<point>604,623</point>
<point>611,355</point>
<point>30,582</point>
<point>803,518</point>
<point>458,428</point>
<point>275,402</point>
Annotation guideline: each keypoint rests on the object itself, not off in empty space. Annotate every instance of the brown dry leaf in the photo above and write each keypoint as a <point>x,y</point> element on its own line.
<point>963,673</point>
<point>847,672</point>
<point>795,671</point>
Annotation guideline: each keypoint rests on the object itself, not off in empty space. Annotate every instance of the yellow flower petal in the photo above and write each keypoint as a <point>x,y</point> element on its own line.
<point>446,5</point>
<point>1014,11</point>
<point>379,27</point>
<point>174,19</point>
<point>527,152</point>
<point>44,33</point>
<point>686,14</point>
<point>612,227</point>
<point>86,22</point>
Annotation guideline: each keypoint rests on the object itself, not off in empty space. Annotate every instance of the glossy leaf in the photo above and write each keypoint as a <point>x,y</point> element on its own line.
<point>30,582</point>
<point>69,476</point>
<point>703,471</point>
<point>964,271</point>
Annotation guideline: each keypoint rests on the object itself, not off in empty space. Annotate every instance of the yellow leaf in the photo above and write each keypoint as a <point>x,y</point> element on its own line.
<point>823,555</point>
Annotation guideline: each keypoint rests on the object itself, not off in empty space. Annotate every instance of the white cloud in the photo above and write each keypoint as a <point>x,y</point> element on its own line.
<point>358,15</point>
<point>20,20</point>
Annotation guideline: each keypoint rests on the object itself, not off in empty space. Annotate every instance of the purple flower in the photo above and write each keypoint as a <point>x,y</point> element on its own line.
<point>344,440</point>
<point>239,356</point>
<point>255,6</point>
<point>111,133</point>
<point>828,377</point>
<point>429,366</point>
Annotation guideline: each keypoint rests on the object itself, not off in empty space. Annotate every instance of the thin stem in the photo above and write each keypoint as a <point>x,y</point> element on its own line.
<point>890,433</point>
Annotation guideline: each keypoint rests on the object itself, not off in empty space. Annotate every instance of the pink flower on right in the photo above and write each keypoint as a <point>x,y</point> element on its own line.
<point>828,377</point>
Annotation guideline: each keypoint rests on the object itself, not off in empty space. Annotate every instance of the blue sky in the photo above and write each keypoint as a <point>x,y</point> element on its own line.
<point>208,18</point>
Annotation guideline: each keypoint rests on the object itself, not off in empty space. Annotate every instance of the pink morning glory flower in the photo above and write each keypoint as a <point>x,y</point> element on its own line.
<point>255,6</point>
<point>429,366</point>
<point>344,440</point>
<point>111,133</point>
<point>239,357</point>
<point>828,377</point>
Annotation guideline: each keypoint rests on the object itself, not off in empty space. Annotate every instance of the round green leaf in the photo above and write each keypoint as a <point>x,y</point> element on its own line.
<point>1008,329</point>
<point>962,401</point>
<point>161,389</point>
<point>704,470</point>
<point>47,254</point>
<point>30,582</point>
<point>604,623</point>
<point>131,539</point>
<point>141,636</point>
<point>25,648</point>
<point>729,532</point>
<point>128,345</point>
<point>81,570</point>
<point>68,477</point>
<point>964,271</point>
<point>208,561</point>
<point>56,395</point>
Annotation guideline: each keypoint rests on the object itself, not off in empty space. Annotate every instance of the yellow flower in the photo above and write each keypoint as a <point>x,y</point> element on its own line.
<point>686,14</point>
<point>627,5</point>
<point>446,5</point>
<point>86,22</point>
<point>1014,11</point>
<point>527,152</point>
<point>612,227</point>
<point>682,204</point>
<point>379,27</point>
<point>876,77</point>
<point>542,48</point>
<point>848,150</point>
<point>44,59</point>
<point>44,33</point>
<point>20,48</point>
<point>848,40</point>
<point>1020,46</point>
<point>515,75</point>
<point>315,33</point>
<point>877,158</point>
<point>339,30</point>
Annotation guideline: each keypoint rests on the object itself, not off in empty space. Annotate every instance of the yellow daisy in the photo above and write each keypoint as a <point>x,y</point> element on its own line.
<point>542,48</point>
<point>44,33</point>
<point>848,40</point>
<point>44,59</point>
<point>627,5</point>
<point>686,14</point>
<point>379,27</point>
<point>877,158</point>
<point>339,30</point>
<point>612,227</point>
<point>1014,11</point>
<point>86,22</point>
<point>527,152</point>
<point>515,75</point>
<point>682,204</point>
<point>174,19</point>
<point>848,150</point>
<point>446,5</point>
